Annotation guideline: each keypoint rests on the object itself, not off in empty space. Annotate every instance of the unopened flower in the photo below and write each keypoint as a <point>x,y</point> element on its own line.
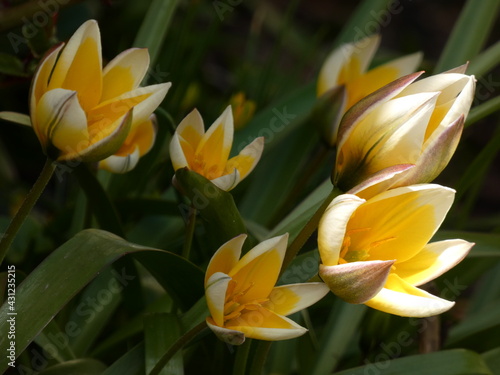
<point>207,153</point>
<point>347,67</point>
<point>243,299</point>
<point>80,111</point>
<point>376,251</point>
<point>417,123</point>
<point>243,109</point>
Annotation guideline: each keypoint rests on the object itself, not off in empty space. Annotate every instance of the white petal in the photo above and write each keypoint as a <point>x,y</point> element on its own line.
<point>287,299</point>
<point>228,181</point>
<point>120,164</point>
<point>215,291</point>
<point>332,227</point>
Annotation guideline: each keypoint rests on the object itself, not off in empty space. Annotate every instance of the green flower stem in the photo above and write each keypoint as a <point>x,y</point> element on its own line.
<point>259,359</point>
<point>26,207</point>
<point>308,230</point>
<point>191,223</point>
<point>179,344</point>
<point>241,360</point>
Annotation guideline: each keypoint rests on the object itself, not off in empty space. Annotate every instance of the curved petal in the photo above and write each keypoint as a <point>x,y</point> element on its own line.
<point>332,227</point>
<point>215,145</point>
<point>247,159</point>
<point>257,271</point>
<point>347,62</point>
<point>406,300</point>
<point>229,336</point>
<point>105,143</point>
<point>398,223</point>
<point>79,67</point>
<point>124,73</point>
<point>226,257</point>
<point>143,135</point>
<point>287,299</point>
<point>186,139</point>
<point>120,164</point>
<point>263,324</point>
<point>432,261</point>
<point>356,282</point>
<point>144,100</point>
<point>60,121</point>
<point>228,181</point>
<point>215,292</point>
<point>41,77</point>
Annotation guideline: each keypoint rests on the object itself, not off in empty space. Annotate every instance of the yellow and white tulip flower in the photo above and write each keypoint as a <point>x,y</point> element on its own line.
<point>80,111</point>
<point>417,124</point>
<point>207,153</point>
<point>242,297</point>
<point>348,65</point>
<point>376,251</point>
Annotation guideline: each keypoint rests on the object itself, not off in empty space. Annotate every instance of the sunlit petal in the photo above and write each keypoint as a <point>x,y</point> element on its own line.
<point>226,257</point>
<point>215,291</point>
<point>287,299</point>
<point>432,261</point>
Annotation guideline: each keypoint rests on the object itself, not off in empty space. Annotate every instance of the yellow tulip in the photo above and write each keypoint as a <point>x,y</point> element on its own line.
<point>376,251</point>
<point>207,153</point>
<point>348,65</point>
<point>243,109</point>
<point>80,111</point>
<point>417,123</point>
<point>242,297</point>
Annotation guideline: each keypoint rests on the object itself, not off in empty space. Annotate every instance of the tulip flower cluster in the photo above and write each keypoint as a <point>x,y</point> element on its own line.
<point>392,134</point>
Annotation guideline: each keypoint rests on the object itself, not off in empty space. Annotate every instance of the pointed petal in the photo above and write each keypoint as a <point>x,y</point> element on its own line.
<point>380,76</point>
<point>356,282</point>
<point>247,159</point>
<point>435,156</point>
<point>398,223</point>
<point>380,181</point>
<point>229,336</point>
<point>258,270</point>
<point>40,82</point>
<point>332,227</point>
<point>406,300</point>
<point>60,121</point>
<point>108,144</point>
<point>287,299</point>
<point>124,73</point>
<point>215,145</point>
<point>120,164</point>
<point>432,261</point>
<point>347,62</point>
<point>215,292</point>
<point>186,139</point>
<point>79,67</point>
<point>263,324</point>
<point>459,69</point>
<point>228,181</point>
<point>226,257</point>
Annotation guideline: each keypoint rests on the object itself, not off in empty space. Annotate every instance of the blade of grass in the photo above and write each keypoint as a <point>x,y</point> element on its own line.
<point>469,34</point>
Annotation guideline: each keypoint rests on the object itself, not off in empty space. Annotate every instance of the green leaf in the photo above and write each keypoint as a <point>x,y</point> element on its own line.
<point>131,363</point>
<point>469,34</point>
<point>52,336</point>
<point>447,362</point>
<point>160,332</point>
<point>67,270</point>
<point>83,366</point>
<point>481,111</point>
<point>492,359</point>
<point>360,24</point>
<point>221,216</point>
<point>485,61</point>
<point>343,322</point>
<point>154,27</point>
<point>18,118</point>
<point>94,310</point>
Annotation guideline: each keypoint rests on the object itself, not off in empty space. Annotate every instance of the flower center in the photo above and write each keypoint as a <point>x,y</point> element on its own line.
<point>348,254</point>
<point>232,306</point>
<point>209,171</point>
